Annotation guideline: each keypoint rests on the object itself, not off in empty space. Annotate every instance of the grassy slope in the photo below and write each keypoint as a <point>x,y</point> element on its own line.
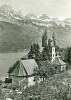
<point>53,88</point>
<point>56,87</point>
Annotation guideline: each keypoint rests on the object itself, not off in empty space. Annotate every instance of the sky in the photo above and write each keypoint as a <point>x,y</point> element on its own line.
<point>53,8</point>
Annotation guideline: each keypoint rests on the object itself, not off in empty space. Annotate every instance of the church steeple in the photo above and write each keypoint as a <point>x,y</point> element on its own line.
<point>50,44</point>
<point>53,47</point>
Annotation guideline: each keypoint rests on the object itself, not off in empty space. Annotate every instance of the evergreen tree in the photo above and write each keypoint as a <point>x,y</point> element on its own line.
<point>44,39</point>
<point>45,53</point>
<point>31,52</point>
<point>67,55</point>
<point>34,52</point>
<point>46,50</point>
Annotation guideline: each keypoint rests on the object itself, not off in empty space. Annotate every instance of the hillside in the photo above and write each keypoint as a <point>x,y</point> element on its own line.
<point>56,87</point>
<point>20,36</point>
<point>14,37</point>
<point>62,34</point>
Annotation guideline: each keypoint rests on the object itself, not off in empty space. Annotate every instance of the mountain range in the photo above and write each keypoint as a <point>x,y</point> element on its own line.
<point>18,31</point>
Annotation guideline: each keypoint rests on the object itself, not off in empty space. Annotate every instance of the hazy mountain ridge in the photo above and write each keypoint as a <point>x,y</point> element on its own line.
<point>17,34</point>
<point>9,14</point>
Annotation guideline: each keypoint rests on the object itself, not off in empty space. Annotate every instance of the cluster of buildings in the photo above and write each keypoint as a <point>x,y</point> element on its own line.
<point>24,69</point>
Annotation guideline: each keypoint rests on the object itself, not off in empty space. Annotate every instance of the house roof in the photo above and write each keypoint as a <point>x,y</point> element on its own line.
<point>25,67</point>
<point>58,61</point>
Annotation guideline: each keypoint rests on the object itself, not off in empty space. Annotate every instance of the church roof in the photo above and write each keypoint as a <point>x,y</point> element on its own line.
<point>25,67</point>
<point>58,61</point>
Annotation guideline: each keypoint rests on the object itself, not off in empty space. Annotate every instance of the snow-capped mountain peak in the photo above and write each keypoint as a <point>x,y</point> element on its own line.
<point>44,17</point>
<point>8,12</point>
<point>31,16</point>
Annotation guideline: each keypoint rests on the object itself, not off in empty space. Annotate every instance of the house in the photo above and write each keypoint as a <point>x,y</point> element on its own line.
<point>59,64</point>
<point>24,70</point>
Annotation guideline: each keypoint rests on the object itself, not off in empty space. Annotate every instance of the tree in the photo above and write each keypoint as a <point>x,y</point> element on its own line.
<point>45,69</point>
<point>34,52</point>
<point>41,70</point>
<point>45,53</point>
<point>31,52</point>
<point>44,39</point>
<point>67,55</point>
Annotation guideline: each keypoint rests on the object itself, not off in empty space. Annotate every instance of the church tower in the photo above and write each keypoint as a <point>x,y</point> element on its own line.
<point>53,54</point>
<point>50,45</point>
<point>53,48</point>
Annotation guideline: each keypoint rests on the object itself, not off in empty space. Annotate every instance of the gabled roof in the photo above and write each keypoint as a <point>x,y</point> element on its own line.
<point>29,65</point>
<point>25,67</point>
<point>58,61</point>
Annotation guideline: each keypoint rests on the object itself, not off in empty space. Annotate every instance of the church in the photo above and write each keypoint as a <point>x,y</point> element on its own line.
<point>53,53</point>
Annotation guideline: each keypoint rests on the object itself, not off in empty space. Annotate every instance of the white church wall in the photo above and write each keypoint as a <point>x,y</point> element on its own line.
<point>53,54</point>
